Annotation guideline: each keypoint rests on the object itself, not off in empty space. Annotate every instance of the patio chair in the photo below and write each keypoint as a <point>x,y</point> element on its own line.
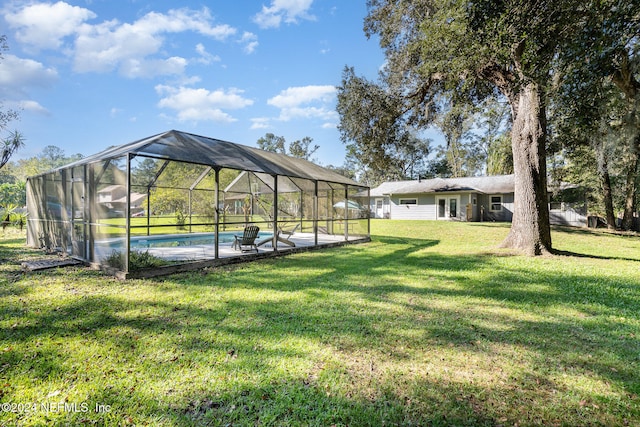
<point>284,235</point>
<point>248,239</point>
<point>6,222</point>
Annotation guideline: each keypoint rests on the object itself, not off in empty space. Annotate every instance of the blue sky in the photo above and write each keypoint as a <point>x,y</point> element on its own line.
<point>88,74</point>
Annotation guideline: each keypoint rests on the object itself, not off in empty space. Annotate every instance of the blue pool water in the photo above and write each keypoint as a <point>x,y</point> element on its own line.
<point>172,240</point>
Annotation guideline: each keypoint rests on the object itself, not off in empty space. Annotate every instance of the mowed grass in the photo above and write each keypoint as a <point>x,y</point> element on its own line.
<point>429,324</point>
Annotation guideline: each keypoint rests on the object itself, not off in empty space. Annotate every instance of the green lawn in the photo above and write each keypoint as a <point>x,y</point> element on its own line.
<point>429,324</point>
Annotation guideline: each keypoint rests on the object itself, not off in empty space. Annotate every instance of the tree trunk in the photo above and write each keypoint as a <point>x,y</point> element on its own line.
<point>605,182</point>
<point>530,229</point>
<point>630,190</point>
<point>608,200</point>
<point>625,79</point>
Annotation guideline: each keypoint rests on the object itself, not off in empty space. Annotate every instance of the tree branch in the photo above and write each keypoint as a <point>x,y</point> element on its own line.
<point>502,78</point>
<point>624,78</point>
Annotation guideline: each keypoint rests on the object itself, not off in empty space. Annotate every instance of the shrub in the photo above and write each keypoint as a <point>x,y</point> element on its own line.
<point>137,260</point>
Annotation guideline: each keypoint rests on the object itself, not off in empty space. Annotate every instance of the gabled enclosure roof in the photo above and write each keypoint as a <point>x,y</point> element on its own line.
<point>190,148</point>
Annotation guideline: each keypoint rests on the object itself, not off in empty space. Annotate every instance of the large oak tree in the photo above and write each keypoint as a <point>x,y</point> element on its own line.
<point>440,53</point>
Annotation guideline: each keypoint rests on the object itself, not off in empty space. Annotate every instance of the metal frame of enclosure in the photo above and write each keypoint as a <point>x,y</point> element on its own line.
<point>177,199</point>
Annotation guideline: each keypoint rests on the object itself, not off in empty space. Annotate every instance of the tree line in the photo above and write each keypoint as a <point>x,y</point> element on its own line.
<point>14,174</point>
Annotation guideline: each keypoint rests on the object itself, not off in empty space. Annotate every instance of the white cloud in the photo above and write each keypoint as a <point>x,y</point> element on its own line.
<point>288,11</point>
<point>181,20</point>
<point>295,96</point>
<point>33,106</point>
<point>136,49</point>
<point>307,102</point>
<point>201,104</point>
<point>323,113</point>
<point>127,46</point>
<point>250,42</point>
<point>186,81</point>
<point>260,123</point>
<point>103,47</point>
<point>205,57</point>
<point>44,25</point>
<point>133,68</point>
<point>19,75</point>
<point>205,114</point>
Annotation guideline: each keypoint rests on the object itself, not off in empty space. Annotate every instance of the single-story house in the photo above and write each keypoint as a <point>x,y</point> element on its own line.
<point>486,198</point>
<point>113,199</point>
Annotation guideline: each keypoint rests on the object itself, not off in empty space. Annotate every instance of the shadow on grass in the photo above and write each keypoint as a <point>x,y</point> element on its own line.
<point>13,250</point>
<point>359,323</point>
<point>597,252</point>
<point>586,231</point>
<point>605,257</point>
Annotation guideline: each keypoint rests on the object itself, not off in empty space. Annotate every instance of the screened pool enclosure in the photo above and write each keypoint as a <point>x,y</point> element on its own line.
<point>179,201</point>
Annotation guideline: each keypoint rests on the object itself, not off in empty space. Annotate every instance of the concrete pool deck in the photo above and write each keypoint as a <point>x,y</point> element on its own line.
<point>225,250</point>
<point>197,256</point>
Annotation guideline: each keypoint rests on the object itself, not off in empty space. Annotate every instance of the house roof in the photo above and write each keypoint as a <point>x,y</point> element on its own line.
<point>190,148</point>
<point>111,188</point>
<point>481,184</point>
<point>135,198</point>
<point>389,187</point>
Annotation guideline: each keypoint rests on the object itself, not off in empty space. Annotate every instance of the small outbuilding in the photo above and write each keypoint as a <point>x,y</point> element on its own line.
<point>178,201</point>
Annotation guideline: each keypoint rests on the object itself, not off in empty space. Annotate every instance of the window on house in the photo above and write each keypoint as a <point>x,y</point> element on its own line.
<point>496,204</point>
<point>555,204</point>
<point>408,201</point>
<point>379,203</point>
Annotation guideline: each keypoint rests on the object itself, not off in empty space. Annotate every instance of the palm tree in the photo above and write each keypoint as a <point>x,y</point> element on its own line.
<point>10,146</point>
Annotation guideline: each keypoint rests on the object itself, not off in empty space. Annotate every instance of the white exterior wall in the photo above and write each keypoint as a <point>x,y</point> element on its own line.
<point>424,209</point>
<point>567,216</point>
<point>463,199</point>
<point>427,206</point>
<point>504,215</point>
<point>377,210</point>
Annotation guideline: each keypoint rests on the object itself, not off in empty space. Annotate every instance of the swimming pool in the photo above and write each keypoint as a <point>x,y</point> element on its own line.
<point>190,239</point>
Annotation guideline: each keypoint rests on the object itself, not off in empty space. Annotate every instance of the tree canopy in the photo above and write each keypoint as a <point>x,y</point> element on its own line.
<point>597,103</point>
<point>302,148</point>
<point>379,138</point>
